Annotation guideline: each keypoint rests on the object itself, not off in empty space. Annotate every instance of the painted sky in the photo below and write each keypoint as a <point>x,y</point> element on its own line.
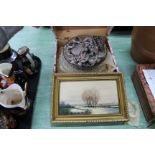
<point>71,92</point>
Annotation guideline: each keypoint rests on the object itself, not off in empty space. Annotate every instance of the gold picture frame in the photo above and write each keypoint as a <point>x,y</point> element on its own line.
<point>89,98</point>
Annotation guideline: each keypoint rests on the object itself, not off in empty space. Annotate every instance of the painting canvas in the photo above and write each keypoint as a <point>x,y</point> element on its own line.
<point>88,97</point>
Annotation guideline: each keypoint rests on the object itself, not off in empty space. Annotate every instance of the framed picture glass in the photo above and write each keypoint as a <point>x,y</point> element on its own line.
<point>89,98</point>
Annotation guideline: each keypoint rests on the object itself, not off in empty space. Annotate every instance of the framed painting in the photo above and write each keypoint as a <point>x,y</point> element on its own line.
<point>89,98</point>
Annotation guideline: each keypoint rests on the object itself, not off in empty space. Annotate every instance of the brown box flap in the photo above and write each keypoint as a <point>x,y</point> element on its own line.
<point>65,33</point>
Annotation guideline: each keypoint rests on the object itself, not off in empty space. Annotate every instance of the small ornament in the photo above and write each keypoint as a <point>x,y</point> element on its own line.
<point>84,52</point>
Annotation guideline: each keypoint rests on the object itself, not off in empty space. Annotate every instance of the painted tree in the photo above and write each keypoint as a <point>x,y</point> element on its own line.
<point>90,97</point>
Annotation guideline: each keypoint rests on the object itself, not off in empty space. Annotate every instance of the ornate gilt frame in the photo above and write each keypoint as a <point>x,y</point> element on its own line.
<point>122,116</point>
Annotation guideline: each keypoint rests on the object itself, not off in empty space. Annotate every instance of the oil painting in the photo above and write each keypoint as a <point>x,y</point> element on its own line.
<point>89,98</point>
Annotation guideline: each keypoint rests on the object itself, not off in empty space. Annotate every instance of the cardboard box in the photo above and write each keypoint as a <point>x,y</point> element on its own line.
<point>65,33</point>
<point>66,73</point>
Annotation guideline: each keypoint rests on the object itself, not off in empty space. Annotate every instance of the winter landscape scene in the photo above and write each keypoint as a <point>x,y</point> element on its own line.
<point>88,97</point>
